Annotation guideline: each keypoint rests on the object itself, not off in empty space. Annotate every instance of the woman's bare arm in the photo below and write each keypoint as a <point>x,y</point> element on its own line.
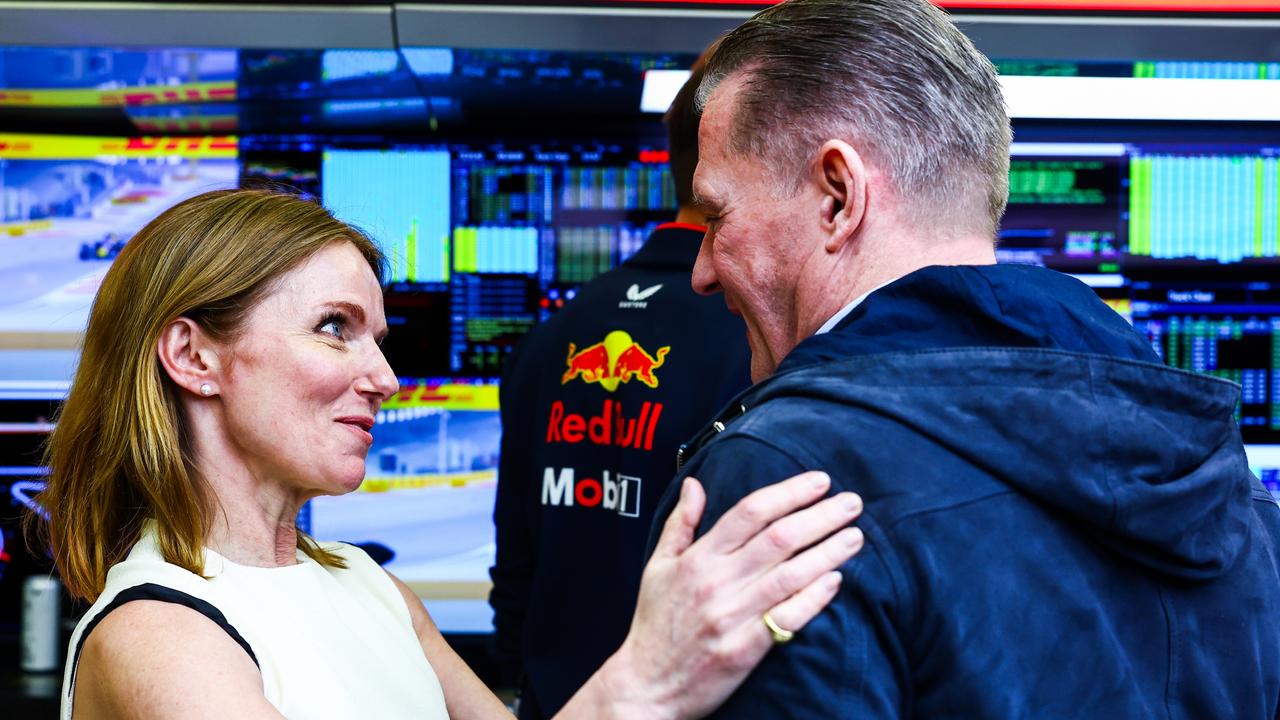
<point>151,659</point>
<point>465,696</point>
<point>697,631</point>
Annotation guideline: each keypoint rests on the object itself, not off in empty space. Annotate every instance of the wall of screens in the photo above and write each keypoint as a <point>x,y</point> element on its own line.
<point>491,224</point>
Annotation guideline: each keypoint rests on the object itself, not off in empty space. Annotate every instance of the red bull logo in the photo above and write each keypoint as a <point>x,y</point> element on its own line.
<point>615,360</point>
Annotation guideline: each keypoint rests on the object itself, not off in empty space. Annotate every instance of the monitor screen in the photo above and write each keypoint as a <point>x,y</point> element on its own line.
<point>1224,328</point>
<point>24,425</point>
<point>1123,205</point>
<point>19,487</point>
<point>484,238</point>
<point>1172,222</point>
<point>68,206</point>
<point>499,181</point>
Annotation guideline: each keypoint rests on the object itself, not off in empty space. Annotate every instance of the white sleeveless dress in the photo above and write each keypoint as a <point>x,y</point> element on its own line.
<point>330,642</point>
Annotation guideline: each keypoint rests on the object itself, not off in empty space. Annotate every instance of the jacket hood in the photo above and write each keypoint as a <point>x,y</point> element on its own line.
<point>1026,374</point>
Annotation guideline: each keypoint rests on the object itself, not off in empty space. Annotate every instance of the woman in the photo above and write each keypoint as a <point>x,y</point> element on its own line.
<point>231,372</point>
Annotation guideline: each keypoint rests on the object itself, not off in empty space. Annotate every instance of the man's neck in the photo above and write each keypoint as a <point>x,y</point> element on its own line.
<point>854,275</point>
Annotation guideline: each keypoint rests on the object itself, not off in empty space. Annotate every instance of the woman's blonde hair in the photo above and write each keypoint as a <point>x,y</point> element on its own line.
<point>120,453</point>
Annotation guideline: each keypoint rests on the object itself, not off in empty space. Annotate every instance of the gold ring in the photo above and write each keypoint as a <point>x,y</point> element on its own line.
<point>780,636</point>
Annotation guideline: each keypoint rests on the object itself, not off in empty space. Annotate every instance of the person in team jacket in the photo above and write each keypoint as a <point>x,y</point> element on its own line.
<point>595,404</point>
<point>1058,525</point>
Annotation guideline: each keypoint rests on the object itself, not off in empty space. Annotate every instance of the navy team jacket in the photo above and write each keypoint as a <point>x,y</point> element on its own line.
<point>594,404</point>
<point>1058,526</point>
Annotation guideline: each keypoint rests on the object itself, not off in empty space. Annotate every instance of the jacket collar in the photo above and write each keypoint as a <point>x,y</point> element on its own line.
<point>670,245</point>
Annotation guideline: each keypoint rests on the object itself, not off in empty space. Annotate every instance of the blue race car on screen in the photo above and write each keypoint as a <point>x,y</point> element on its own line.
<point>105,248</point>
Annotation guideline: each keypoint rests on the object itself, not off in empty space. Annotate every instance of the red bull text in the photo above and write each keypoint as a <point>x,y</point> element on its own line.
<point>610,427</point>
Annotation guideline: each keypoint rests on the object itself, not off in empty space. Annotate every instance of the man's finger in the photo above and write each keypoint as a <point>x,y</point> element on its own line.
<point>677,532</point>
<point>756,511</point>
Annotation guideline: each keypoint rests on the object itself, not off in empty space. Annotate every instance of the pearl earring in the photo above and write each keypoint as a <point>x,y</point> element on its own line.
<point>206,389</point>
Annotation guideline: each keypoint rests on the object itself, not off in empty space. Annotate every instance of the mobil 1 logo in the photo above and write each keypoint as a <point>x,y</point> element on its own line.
<point>619,493</point>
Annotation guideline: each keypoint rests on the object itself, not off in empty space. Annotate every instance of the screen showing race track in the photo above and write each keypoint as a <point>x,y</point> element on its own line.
<point>430,475</point>
<point>68,206</point>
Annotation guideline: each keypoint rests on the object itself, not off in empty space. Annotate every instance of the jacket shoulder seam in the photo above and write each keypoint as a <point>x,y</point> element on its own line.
<point>796,454</point>
<point>747,434</point>
<point>959,503</point>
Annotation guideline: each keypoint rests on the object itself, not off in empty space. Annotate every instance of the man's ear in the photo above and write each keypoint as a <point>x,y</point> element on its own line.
<point>842,182</point>
<point>189,357</point>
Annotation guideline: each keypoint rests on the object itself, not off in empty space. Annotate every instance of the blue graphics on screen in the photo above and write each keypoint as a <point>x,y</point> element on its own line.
<point>1264,462</point>
<point>429,61</point>
<point>1220,207</point>
<point>117,72</point>
<point>25,492</point>
<point>336,65</point>
<point>495,250</point>
<point>1209,70</point>
<point>401,198</point>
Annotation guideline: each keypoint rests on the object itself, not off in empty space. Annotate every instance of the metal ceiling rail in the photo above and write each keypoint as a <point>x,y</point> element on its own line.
<point>589,29</point>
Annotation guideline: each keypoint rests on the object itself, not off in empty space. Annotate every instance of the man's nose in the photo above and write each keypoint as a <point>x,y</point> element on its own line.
<point>704,278</point>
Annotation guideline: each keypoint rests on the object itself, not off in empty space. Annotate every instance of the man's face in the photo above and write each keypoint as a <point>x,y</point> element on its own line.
<point>760,236</point>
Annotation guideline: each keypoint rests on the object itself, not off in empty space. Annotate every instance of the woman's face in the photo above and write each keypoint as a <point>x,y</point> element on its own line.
<point>307,377</point>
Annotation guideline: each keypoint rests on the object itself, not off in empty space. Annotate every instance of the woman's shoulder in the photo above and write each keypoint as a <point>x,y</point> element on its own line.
<point>131,665</point>
<point>142,633</point>
<point>146,602</point>
<point>145,564</point>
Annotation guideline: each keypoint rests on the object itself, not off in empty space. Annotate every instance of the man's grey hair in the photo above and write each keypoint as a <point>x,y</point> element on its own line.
<point>894,78</point>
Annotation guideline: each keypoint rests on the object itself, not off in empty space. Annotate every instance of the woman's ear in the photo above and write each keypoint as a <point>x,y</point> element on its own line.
<point>189,357</point>
<point>842,181</point>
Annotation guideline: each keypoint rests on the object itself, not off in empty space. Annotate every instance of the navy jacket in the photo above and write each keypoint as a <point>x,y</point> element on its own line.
<point>1057,525</point>
<point>594,404</point>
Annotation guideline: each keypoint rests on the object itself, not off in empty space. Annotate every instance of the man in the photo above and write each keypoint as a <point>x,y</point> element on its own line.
<point>594,405</point>
<point>1057,525</point>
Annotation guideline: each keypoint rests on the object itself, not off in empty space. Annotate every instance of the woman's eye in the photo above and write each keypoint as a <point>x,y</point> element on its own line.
<point>332,327</point>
